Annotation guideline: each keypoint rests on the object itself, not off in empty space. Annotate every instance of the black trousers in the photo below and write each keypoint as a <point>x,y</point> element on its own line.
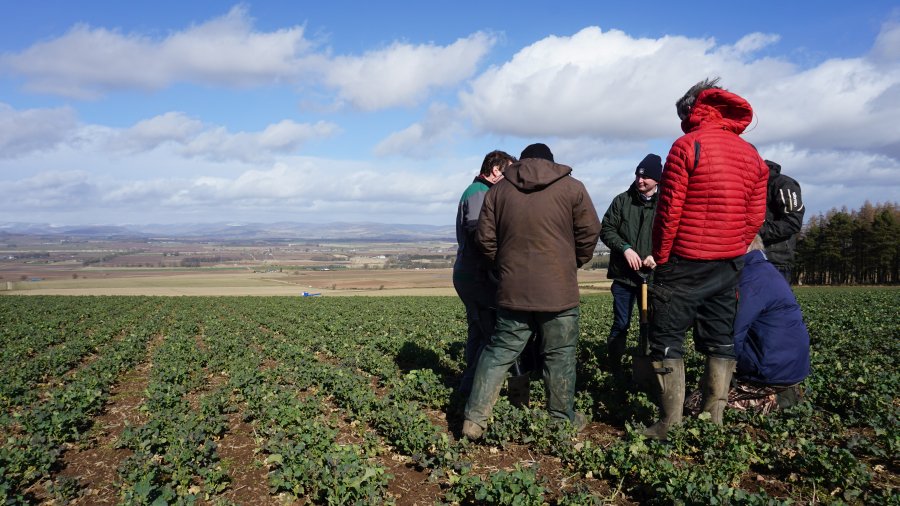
<point>702,293</point>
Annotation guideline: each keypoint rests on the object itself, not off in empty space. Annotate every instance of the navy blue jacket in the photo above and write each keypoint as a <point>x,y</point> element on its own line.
<point>770,338</point>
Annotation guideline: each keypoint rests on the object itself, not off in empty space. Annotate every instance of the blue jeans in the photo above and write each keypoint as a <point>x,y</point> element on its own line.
<point>558,340</point>
<point>624,298</point>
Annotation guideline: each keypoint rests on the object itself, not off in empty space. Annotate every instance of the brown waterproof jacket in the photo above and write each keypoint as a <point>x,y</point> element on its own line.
<point>538,226</point>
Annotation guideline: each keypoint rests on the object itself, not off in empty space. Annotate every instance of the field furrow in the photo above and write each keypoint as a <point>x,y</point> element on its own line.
<point>242,400</point>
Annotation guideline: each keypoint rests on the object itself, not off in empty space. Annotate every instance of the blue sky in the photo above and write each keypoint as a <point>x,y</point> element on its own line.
<point>172,112</point>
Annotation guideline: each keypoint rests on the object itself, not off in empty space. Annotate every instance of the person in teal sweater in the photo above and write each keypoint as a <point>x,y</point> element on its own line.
<point>472,278</point>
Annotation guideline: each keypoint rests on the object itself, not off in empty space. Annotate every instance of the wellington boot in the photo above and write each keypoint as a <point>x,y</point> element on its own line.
<point>579,422</point>
<point>517,390</point>
<point>790,396</point>
<point>615,352</point>
<point>670,386</point>
<point>472,430</point>
<point>714,385</point>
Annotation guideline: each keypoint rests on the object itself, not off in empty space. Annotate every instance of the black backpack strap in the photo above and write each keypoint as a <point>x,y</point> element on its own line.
<point>696,153</point>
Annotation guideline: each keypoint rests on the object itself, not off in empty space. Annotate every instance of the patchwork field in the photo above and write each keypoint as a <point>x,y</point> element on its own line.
<point>201,269</point>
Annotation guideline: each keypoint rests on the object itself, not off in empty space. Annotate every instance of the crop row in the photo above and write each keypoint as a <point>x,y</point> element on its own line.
<point>389,365</point>
<point>32,355</point>
<point>36,434</point>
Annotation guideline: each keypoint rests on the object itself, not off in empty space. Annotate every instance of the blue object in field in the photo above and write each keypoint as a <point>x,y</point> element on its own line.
<point>307,294</point>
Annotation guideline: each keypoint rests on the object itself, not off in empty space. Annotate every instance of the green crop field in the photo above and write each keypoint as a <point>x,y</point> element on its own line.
<point>270,400</point>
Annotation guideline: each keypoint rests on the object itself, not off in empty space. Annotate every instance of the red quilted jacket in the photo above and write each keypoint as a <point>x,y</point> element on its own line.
<point>711,208</point>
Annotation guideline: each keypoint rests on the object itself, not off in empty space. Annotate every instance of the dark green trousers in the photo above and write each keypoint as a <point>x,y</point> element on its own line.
<point>558,333</point>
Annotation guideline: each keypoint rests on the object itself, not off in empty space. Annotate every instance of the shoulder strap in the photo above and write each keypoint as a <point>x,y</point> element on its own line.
<point>696,153</point>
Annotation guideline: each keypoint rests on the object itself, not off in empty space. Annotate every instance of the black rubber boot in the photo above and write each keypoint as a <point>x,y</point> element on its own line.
<point>615,352</point>
<point>517,390</point>
<point>790,396</point>
<point>670,385</point>
<point>642,376</point>
<point>714,385</point>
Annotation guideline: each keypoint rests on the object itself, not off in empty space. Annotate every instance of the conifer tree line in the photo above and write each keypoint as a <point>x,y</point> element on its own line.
<point>855,247</point>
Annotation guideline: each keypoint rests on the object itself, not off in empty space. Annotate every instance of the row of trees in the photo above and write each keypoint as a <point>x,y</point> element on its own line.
<point>850,247</point>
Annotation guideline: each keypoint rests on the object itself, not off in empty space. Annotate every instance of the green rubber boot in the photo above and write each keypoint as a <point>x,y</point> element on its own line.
<point>670,384</point>
<point>714,385</point>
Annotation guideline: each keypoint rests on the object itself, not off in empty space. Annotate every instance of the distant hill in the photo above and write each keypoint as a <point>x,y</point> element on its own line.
<point>239,231</point>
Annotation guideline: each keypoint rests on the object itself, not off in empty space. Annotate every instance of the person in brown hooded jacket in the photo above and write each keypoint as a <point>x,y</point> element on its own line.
<point>538,226</point>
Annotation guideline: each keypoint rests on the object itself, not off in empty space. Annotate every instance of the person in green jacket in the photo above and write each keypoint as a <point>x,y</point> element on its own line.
<point>625,230</point>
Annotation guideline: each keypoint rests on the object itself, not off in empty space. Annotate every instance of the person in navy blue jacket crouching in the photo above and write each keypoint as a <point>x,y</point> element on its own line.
<point>770,340</point>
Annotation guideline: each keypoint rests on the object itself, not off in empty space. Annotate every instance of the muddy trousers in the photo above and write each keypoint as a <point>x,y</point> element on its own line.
<point>558,340</point>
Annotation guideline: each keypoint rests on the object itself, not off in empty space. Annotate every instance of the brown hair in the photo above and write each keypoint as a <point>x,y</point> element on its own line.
<point>496,158</point>
<point>684,104</point>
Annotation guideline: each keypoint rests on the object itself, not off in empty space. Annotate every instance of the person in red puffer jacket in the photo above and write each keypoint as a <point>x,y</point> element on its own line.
<point>712,203</point>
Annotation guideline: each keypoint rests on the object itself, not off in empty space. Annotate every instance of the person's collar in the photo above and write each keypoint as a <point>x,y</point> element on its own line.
<point>483,180</point>
<point>648,198</point>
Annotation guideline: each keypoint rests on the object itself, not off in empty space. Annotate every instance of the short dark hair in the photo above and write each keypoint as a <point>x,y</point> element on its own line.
<point>684,104</point>
<point>496,158</point>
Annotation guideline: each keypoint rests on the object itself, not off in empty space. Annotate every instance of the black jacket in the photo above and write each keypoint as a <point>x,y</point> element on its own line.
<point>784,217</point>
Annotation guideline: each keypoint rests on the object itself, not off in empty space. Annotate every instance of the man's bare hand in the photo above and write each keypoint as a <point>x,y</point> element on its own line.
<point>649,262</point>
<point>633,259</point>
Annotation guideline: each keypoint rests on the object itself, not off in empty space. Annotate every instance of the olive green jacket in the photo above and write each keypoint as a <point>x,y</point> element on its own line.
<point>627,224</point>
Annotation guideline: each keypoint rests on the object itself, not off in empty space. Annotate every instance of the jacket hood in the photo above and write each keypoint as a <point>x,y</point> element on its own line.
<point>532,174</point>
<point>719,108</point>
<point>774,168</point>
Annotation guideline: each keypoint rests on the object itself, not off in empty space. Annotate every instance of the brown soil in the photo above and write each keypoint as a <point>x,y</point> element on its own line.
<point>409,486</point>
<point>95,466</point>
<point>238,452</point>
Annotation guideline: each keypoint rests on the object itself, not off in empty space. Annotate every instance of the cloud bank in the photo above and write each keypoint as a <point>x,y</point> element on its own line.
<point>601,98</point>
<point>87,63</point>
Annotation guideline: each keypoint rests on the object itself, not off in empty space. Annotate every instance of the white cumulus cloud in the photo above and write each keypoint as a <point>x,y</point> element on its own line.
<point>402,74</point>
<point>283,137</point>
<point>612,86</point>
<point>168,127</point>
<point>425,139</point>
<point>59,190</point>
<point>847,103</point>
<point>191,138</point>
<point>294,189</point>
<point>87,62</point>
<point>30,130</point>
<point>604,83</point>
